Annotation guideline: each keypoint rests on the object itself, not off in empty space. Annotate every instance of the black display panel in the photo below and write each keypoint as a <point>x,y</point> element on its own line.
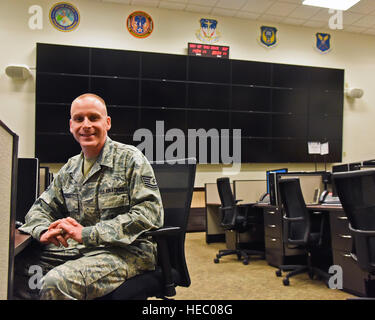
<point>27,186</point>
<point>277,107</point>
<point>119,63</point>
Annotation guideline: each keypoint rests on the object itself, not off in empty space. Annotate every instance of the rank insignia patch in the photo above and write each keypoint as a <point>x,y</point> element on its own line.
<point>323,42</point>
<point>64,16</point>
<point>268,36</point>
<point>149,182</point>
<point>207,32</point>
<point>140,24</point>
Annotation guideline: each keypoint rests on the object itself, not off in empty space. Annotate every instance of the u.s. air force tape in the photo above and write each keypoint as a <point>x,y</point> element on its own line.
<point>149,182</point>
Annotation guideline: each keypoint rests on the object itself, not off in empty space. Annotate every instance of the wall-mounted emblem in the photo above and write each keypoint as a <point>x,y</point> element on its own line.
<point>208,32</point>
<point>64,16</point>
<point>140,24</point>
<point>323,42</point>
<point>268,36</point>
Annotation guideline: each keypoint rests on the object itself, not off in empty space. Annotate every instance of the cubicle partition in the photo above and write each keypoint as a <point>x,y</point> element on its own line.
<point>249,191</point>
<point>8,181</point>
<point>214,231</point>
<point>312,184</point>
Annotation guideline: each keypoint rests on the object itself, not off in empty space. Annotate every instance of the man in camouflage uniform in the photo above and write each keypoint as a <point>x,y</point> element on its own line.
<point>91,218</point>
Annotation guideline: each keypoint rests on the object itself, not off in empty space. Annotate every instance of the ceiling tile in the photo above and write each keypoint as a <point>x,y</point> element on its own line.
<point>322,15</point>
<point>223,12</point>
<point>257,6</point>
<point>270,18</point>
<point>366,21</point>
<point>294,21</point>
<point>118,1</point>
<point>205,3</point>
<point>281,9</point>
<point>232,4</point>
<point>364,7</point>
<point>247,15</point>
<point>354,29</point>
<point>146,3</point>
<point>315,24</point>
<point>349,17</point>
<point>304,12</point>
<point>172,5</point>
<point>199,9</point>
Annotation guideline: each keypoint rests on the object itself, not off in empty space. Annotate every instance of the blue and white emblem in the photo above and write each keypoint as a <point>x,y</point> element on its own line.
<point>323,43</point>
<point>64,16</point>
<point>207,32</point>
<point>268,36</point>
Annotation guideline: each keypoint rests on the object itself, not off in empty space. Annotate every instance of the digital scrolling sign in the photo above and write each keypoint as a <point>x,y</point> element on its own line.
<point>208,50</point>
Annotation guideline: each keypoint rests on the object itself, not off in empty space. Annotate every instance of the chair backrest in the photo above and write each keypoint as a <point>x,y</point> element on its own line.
<point>228,203</point>
<point>296,232</point>
<point>356,190</point>
<point>176,183</point>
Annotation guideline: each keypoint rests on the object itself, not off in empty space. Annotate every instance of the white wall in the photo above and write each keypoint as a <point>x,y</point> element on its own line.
<point>103,25</point>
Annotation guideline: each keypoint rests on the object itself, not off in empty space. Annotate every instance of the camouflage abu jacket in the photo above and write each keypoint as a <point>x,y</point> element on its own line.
<point>116,202</point>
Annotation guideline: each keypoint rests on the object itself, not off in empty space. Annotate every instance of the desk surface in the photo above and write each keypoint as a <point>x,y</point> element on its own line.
<point>21,240</point>
<point>309,206</point>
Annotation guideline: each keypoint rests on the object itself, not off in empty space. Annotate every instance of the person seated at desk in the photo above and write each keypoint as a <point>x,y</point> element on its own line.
<point>90,220</point>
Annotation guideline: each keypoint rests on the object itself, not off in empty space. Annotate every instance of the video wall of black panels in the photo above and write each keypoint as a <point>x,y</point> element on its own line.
<point>276,108</point>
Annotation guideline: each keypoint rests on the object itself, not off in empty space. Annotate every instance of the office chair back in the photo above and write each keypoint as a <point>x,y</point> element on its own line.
<point>228,204</point>
<point>296,221</point>
<point>176,183</point>
<point>356,190</point>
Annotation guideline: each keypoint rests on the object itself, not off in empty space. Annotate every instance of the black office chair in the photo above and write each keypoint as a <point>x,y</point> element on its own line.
<point>298,229</point>
<point>176,184</point>
<point>235,218</point>
<point>356,190</point>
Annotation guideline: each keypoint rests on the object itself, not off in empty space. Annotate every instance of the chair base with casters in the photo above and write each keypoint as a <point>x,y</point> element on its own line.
<point>244,254</point>
<point>299,269</point>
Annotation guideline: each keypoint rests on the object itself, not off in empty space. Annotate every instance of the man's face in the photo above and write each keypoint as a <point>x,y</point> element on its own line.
<point>89,123</point>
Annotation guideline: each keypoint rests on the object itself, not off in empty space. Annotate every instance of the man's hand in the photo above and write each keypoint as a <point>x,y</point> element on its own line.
<point>69,228</point>
<point>54,236</point>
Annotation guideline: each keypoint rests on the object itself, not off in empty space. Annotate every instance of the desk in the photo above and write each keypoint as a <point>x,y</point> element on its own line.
<point>21,241</point>
<point>337,239</point>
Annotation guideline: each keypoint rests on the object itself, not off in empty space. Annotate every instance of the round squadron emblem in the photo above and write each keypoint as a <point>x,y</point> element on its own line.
<point>139,24</point>
<point>64,16</point>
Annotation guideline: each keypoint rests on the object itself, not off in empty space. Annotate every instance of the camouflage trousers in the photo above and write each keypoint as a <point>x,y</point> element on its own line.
<point>73,275</point>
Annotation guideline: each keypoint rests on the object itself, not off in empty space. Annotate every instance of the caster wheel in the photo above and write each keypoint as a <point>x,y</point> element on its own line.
<point>286,282</point>
<point>311,275</point>
<point>245,262</point>
<point>216,260</point>
<point>278,273</point>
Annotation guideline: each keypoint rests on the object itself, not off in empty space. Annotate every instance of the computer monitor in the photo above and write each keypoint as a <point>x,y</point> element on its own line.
<point>283,170</point>
<point>27,186</point>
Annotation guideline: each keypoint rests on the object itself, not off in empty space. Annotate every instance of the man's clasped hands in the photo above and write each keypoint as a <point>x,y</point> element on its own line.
<point>61,230</point>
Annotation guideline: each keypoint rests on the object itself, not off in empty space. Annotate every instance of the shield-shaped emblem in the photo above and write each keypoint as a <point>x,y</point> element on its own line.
<point>268,36</point>
<point>207,32</point>
<point>323,42</point>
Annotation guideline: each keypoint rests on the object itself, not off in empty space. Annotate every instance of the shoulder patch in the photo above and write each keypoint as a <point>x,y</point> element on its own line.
<point>149,182</point>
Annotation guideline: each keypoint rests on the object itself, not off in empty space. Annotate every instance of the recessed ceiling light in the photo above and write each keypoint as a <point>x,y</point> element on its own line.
<point>331,4</point>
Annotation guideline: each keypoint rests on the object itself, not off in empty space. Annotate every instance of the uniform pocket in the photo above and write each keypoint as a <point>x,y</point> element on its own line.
<point>71,202</point>
<point>113,201</point>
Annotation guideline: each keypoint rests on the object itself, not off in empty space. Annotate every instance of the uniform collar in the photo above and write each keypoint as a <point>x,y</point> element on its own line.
<point>105,158</point>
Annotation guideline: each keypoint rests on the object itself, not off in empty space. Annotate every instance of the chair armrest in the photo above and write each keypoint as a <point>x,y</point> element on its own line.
<point>160,236</point>
<point>164,231</point>
<point>370,233</point>
<point>293,219</point>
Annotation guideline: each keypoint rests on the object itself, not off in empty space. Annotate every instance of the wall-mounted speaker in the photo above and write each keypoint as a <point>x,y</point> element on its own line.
<point>19,72</point>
